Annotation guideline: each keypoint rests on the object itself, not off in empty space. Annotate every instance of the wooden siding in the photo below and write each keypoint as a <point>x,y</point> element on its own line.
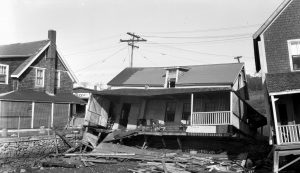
<point>60,115</point>
<point>42,115</point>
<point>12,112</point>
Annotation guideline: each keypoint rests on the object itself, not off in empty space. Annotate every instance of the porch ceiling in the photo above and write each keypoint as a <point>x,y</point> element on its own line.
<point>158,92</point>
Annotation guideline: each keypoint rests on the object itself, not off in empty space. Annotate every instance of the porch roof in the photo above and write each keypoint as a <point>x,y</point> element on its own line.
<point>157,92</point>
<point>34,96</point>
<point>281,82</point>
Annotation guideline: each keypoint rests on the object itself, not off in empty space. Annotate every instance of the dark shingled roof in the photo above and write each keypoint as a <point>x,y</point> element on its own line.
<point>212,74</point>
<point>157,92</point>
<point>283,81</point>
<point>29,95</point>
<point>22,49</point>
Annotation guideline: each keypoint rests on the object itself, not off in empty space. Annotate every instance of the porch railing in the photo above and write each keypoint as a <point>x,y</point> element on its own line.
<point>289,134</point>
<point>210,118</point>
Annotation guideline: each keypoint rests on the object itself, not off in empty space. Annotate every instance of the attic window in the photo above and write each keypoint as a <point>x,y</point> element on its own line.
<point>4,74</point>
<point>294,54</point>
<point>39,77</point>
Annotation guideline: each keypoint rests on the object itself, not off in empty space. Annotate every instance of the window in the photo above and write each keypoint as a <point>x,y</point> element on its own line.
<point>170,112</point>
<point>3,74</point>
<point>172,83</point>
<point>40,75</point>
<point>57,79</point>
<point>294,53</point>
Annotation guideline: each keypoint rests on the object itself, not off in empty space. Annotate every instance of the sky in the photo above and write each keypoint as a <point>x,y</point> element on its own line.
<point>178,32</point>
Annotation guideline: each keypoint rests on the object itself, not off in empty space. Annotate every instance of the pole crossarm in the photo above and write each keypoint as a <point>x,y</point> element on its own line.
<point>131,42</point>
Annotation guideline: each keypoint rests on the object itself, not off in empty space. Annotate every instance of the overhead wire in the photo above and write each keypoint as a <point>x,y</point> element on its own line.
<point>207,30</point>
<point>94,50</point>
<point>198,37</point>
<point>103,60</point>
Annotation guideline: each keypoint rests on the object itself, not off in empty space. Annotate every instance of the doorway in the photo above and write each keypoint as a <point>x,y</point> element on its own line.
<point>124,114</point>
<point>282,110</point>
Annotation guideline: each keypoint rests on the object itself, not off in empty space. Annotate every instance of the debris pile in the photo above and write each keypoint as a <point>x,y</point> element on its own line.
<point>153,161</point>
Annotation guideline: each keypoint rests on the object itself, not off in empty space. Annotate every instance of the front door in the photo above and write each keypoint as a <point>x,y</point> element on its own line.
<point>124,114</point>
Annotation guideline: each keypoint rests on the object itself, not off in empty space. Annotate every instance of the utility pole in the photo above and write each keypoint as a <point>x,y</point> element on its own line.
<point>135,38</point>
<point>238,58</point>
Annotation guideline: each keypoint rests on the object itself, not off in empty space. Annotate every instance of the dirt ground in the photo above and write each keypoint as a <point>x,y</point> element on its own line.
<point>33,165</point>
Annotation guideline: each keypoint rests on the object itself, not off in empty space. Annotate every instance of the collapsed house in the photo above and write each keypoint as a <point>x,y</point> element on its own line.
<point>199,100</point>
<point>36,86</point>
<point>277,56</point>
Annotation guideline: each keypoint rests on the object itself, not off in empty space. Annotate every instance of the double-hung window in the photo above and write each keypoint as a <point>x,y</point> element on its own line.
<point>57,79</point>
<point>294,53</point>
<point>40,77</point>
<point>3,74</point>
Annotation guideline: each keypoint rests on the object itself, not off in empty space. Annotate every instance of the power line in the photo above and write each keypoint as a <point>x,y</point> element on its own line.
<point>199,37</point>
<point>194,51</point>
<point>207,41</point>
<point>207,30</point>
<point>93,50</point>
<point>174,56</point>
<point>101,61</point>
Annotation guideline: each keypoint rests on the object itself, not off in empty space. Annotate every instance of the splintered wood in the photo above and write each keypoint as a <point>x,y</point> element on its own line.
<point>159,162</point>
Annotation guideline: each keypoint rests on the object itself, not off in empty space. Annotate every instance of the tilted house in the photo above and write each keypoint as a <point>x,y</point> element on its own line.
<point>207,100</point>
<point>35,85</point>
<point>277,56</point>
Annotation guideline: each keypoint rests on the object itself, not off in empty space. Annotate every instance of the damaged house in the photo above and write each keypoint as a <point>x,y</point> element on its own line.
<point>36,86</point>
<point>201,100</point>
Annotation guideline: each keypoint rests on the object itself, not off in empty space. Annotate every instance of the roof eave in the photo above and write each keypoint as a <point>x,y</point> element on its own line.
<point>270,20</point>
<point>35,57</point>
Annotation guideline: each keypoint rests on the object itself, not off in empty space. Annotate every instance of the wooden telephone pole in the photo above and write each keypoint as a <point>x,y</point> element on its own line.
<point>238,58</point>
<point>135,38</point>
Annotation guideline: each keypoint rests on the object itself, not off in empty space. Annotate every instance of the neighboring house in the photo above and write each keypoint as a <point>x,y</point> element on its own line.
<point>277,56</point>
<point>206,100</point>
<point>35,85</point>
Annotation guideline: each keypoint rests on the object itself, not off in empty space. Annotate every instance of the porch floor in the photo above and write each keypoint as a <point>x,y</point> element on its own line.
<point>181,133</point>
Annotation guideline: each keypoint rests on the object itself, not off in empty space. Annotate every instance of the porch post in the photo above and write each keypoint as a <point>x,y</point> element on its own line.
<point>32,114</point>
<point>231,105</point>
<point>192,108</point>
<point>52,113</point>
<point>275,119</point>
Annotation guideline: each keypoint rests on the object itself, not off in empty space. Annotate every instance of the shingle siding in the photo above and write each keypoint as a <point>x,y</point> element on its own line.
<point>27,79</point>
<point>13,65</point>
<point>284,28</point>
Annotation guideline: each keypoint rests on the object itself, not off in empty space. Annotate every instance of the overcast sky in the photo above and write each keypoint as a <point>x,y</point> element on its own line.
<point>178,32</point>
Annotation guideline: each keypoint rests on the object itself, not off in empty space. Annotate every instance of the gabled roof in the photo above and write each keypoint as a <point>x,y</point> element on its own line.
<point>22,49</point>
<point>281,82</point>
<point>270,20</point>
<point>31,51</point>
<point>213,74</point>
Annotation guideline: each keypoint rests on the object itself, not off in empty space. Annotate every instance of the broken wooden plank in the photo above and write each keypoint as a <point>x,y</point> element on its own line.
<point>63,139</point>
<point>100,161</point>
<point>58,164</point>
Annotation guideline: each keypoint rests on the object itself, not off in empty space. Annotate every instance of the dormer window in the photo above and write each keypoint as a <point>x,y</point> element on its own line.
<point>294,54</point>
<point>172,76</point>
<point>172,83</point>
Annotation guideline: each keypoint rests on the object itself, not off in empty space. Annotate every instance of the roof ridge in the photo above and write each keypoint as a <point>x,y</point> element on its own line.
<point>24,42</point>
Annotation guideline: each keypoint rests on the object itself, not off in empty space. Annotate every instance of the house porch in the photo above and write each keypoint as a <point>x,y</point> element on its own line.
<point>189,112</point>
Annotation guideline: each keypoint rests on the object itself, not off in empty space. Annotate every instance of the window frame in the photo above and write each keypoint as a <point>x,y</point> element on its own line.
<point>57,78</point>
<point>7,71</point>
<point>289,42</point>
<point>36,77</point>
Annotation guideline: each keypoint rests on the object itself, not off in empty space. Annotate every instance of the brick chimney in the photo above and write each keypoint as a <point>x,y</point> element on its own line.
<point>51,62</point>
